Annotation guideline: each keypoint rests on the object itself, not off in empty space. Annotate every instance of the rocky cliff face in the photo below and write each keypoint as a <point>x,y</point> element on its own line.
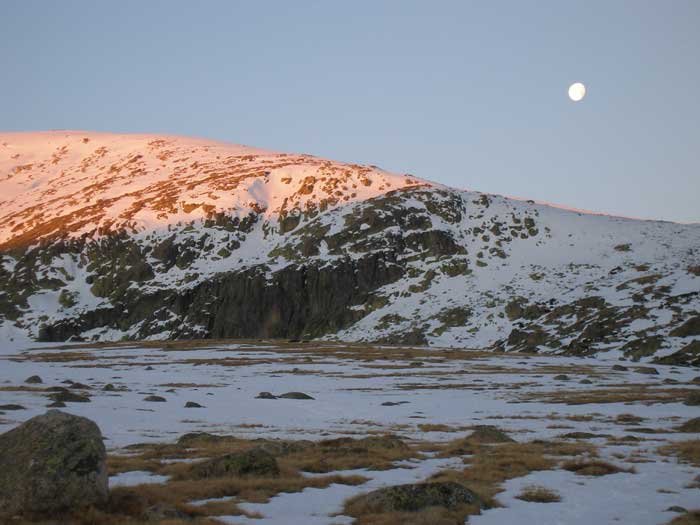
<point>107,237</point>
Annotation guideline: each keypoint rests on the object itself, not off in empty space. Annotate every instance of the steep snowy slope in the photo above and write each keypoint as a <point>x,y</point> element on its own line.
<point>109,236</point>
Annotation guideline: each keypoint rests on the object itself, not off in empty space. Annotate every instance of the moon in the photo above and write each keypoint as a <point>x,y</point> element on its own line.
<point>577,91</point>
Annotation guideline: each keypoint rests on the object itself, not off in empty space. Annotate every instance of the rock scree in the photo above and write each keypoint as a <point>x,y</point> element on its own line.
<point>52,463</point>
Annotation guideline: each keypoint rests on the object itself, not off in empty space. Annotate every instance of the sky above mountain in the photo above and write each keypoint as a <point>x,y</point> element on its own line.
<point>464,93</point>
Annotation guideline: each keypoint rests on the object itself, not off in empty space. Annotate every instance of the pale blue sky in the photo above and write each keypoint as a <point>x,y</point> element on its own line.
<point>471,94</point>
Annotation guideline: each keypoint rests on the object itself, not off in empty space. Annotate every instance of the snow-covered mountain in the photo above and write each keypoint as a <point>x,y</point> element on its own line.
<point>106,236</point>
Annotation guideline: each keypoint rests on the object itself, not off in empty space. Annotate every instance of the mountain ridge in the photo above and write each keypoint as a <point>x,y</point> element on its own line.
<point>106,236</point>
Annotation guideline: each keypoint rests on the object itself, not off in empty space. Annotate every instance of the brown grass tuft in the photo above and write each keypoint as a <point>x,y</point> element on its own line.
<point>539,494</point>
<point>594,467</point>
<point>429,516</point>
<point>685,451</point>
<point>689,518</point>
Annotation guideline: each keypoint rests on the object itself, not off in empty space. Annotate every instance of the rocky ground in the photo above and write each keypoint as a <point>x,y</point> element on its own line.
<point>326,433</point>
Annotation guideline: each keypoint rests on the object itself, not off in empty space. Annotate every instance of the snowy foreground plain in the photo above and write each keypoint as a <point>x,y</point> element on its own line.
<point>427,397</point>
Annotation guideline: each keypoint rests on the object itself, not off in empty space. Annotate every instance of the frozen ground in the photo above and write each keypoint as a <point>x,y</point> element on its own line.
<point>351,385</point>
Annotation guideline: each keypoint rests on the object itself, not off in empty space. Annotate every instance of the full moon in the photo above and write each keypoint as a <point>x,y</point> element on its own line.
<point>577,91</point>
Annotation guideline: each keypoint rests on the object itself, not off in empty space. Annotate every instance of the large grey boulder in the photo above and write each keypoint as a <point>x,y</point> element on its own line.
<point>52,463</point>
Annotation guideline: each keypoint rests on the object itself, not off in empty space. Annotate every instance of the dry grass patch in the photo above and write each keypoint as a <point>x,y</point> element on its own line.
<point>491,465</point>
<point>429,427</point>
<point>373,453</point>
<point>249,488</point>
<point>132,504</point>
<point>624,394</point>
<point>539,494</point>
<point>118,464</point>
<point>685,451</point>
<point>305,350</point>
<point>594,467</point>
<point>628,419</point>
<point>689,518</point>
<point>93,516</point>
<point>429,516</point>
<point>61,357</point>
<point>189,385</point>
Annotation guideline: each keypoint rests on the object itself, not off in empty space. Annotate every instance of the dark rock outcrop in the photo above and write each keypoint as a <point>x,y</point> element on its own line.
<point>299,301</point>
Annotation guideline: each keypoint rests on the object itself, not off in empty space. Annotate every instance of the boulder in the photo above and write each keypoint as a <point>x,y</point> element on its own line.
<point>561,377</point>
<point>489,434</point>
<point>34,380</point>
<point>416,497</point>
<point>692,425</point>
<point>676,508</point>
<point>154,399</point>
<point>254,462</point>
<point>295,395</point>
<point>620,368</point>
<point>693,399</point>
<point>64,396</point>
<point>80,386</point>
<point>647,370</point>
<point>52,463</point>
<point>12,407</point>
<point>265,395</point>
<point>192,404</point>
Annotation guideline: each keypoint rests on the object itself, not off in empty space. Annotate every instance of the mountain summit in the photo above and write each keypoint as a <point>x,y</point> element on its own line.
<point>106,236</point>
